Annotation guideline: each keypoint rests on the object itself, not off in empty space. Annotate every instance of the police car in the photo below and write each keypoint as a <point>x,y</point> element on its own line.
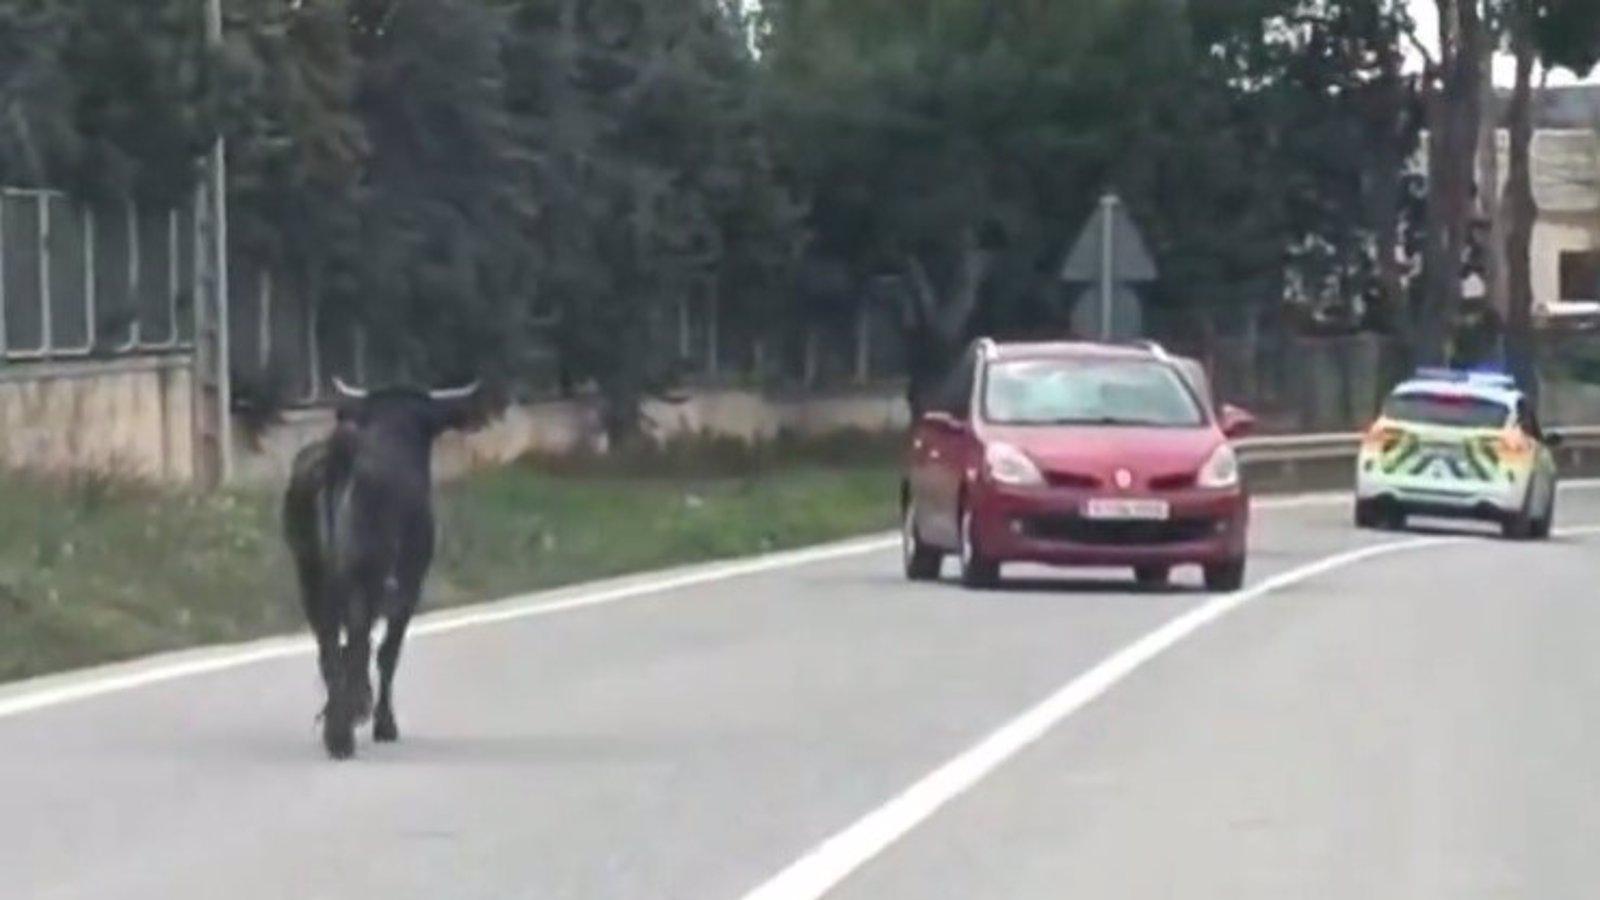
<point>1458,445</point>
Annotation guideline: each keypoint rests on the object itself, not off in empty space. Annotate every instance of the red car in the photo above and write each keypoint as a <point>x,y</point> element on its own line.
<point>1073,454</point>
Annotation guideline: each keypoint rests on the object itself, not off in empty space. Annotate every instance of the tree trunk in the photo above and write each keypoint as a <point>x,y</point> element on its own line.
<point>1494,263</point>
<point>1452,137</point>
<point>1521,211</point>
<point>938,323</point>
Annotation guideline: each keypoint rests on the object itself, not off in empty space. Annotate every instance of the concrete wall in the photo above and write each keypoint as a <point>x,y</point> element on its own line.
<point>564,425</point>
<point>130,417</point>
<point>134,417</point>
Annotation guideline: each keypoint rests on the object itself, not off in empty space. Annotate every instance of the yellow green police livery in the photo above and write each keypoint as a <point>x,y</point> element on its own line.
<point>1459,445</point>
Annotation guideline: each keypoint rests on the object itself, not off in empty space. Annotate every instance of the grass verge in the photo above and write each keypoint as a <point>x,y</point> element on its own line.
<point>95,571</point>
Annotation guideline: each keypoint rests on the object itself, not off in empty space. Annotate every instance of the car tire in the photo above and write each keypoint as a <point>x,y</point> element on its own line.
<point>1368,515</point>
<point>977,570</point>
<point>1520,526</point>
<point>1224,578</point>
<point>1542,526</point>
<point>922,562</point>
<point>1153,576</point>
<point>1517,527</point>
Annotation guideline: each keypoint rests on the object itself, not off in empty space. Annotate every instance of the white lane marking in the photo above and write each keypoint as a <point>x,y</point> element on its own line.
<point>84,684</point>
<point>54,690</point>
<point>827,865</point>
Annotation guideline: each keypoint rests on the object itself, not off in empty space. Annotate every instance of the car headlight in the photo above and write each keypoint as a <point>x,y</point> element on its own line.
<point>1008,465</point>
<point>1221,470</point>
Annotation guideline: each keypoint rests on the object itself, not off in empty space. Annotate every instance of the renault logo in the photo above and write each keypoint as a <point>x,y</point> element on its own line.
<point>1124,479</point>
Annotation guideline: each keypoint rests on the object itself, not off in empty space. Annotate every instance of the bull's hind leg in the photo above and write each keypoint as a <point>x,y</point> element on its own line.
<point>416,556</point>
<point>384,727</point>
<point>358,648</point>
<point>321,608</point>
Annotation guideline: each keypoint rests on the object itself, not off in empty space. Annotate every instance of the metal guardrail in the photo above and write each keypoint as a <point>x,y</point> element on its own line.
<point>1577,441</point>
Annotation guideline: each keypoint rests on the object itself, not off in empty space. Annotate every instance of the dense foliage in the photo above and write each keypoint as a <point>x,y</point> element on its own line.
<point>459,174</point>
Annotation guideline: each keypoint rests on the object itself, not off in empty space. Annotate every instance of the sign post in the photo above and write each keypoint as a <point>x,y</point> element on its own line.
<point>1111,255</point>
<point>213,437</point>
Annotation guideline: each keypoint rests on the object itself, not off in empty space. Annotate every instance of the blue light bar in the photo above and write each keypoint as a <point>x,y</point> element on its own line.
<point>1480,376</point>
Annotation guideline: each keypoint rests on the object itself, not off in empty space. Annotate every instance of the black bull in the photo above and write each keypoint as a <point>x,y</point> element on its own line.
<point>358,517</point>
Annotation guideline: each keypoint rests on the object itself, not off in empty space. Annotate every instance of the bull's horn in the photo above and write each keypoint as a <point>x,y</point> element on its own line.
<point>460,393</point>
<point>348,391</point>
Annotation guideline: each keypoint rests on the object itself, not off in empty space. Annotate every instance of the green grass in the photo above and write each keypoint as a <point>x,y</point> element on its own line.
<point>93,571</point>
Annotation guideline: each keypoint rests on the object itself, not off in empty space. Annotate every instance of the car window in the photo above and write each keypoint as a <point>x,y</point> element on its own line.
<point>1449,410</point>
<point>1099,392</point>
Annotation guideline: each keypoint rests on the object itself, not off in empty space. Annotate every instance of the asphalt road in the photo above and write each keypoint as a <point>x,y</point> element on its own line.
<point>1410,724</point>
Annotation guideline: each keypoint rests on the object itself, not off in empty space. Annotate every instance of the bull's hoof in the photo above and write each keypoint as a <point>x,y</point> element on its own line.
<point>341,744</point>
<point>338,732</point>
<point>384,730</point>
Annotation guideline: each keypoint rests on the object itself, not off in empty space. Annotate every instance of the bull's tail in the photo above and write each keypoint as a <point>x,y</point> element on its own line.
<point>338,463</point>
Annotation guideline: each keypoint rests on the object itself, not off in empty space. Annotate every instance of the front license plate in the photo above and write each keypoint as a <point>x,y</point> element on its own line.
<point>1127,510</point>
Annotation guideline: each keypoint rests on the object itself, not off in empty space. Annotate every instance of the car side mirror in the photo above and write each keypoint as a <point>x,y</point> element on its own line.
<point>1236,422</point>
<point>944,422</point>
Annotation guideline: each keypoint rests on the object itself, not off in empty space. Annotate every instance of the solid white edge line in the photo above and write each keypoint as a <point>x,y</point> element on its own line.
<point>56,689</point>
<point>830,863</point>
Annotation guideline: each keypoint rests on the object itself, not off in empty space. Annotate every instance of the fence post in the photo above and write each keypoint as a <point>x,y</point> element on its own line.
<point>808,363</point>
<point>264,319</point>
<point>313,310</point>
<point>46,338</point>
<point>89,283</point>
<point>683,328</point>
<point>4,347</point>
<point>711,333</point>
<point>173,282</point>
<point>136,274</point>
<point>863,346</point>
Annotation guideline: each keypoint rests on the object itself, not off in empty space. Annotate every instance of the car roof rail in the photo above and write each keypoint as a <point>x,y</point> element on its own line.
<point>1155,349</point>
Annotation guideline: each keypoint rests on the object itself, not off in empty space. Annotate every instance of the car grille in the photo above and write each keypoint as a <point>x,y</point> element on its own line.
<point>1071,480</point>
<point>1076,530</point>
<point>1179,482</point>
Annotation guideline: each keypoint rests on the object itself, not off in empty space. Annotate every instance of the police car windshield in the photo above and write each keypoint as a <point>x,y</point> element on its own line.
<point>1450,410</point>
<point>1090,392</point>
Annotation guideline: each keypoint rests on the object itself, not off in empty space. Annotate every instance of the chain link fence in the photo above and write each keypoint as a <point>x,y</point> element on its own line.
<point>95,281</point>
<point>285,350</point>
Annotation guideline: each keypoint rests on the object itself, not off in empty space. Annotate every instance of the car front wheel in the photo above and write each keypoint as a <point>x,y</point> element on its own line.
<point>977,570</point>
<point>1225,577</point>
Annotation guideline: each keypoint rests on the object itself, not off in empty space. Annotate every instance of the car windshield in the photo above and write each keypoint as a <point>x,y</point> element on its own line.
<point>1450,410</point>
<point>1089,392</point>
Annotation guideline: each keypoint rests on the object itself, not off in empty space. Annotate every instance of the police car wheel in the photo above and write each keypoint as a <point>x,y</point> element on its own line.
<point>1542,526</point>
<point>1368,515</point>
<point>1521,525</point>
<point>1517,527</point>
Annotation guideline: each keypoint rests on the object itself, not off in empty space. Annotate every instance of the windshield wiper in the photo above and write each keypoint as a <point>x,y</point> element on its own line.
<point>1110,421</point>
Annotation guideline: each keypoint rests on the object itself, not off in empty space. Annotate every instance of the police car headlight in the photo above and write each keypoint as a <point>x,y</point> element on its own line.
<point>1008,465</point>
<point>1221,470</point>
